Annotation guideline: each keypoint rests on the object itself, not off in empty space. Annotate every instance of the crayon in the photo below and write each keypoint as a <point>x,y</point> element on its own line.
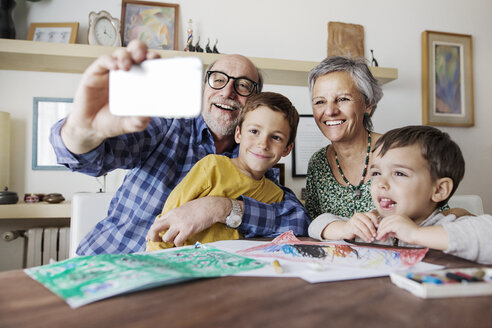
<point>429,279</point>
<point>444,279</point>
<point>424,279</point>
<point>456,277</point>
<point>277,267</point>
<point>414,277</point>
<point>467,277</point>
<point>479,274</point>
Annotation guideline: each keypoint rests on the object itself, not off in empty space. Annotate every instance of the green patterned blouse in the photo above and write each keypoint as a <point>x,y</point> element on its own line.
<point>325,195</point>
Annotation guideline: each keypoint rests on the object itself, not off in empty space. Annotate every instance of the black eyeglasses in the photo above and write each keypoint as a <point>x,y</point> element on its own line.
<point>243,86</point>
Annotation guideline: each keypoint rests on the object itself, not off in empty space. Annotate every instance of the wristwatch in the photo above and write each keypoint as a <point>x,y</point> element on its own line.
<point>234,219</point>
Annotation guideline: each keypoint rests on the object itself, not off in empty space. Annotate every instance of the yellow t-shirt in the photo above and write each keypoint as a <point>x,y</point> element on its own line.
<point>216,175</point>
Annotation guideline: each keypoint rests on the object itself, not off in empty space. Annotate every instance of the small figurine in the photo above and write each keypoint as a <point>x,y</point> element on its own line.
<point>189,40</point>
<point>374,62</point>
<point>215,51</point>
<point>207,47</point>
<point>197,46</point>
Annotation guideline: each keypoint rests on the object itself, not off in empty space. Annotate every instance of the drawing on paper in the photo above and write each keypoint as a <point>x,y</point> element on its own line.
<point>288,247</point>
<point>82,280</point>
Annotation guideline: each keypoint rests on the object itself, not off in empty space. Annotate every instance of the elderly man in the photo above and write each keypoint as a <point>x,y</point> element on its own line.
<point>159,152</point>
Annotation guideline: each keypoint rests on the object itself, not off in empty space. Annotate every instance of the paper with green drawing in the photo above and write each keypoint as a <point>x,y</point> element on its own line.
<point>87,279</point>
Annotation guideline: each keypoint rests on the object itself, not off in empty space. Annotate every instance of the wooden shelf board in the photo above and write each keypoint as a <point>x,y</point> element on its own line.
<point>35,210</point>
<point>75,58</point>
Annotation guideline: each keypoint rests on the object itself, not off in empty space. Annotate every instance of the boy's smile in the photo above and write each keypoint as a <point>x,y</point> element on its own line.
<point>402,184</point>
<point>262,140</point>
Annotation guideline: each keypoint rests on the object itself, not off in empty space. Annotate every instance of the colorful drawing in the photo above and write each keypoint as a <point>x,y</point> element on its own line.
<point>288,247</point>
<point>83,280</point>
<point>448,79</point>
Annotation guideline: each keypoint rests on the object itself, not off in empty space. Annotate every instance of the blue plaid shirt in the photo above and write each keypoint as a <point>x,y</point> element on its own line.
<point>158,158</point>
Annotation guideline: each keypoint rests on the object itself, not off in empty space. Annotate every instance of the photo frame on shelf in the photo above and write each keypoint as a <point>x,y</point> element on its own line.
<point>309,140</point>
<point>345,40</point>
<point>53,32</point>
<point>154,23</point>
<point>447,79</point>
<point>46,112</point>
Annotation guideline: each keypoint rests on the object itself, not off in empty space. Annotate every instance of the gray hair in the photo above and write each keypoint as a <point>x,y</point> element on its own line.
<point>259,86</point>
<point>359,71</point>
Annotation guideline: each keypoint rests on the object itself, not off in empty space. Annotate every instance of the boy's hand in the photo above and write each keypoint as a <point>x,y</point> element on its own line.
<point>362,225</point>
<point>401,227</point>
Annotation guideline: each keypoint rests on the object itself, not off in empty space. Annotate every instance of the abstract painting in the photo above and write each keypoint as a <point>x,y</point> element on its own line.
<point>448,79</point>
<point>154,23</point>
<point>447,84</point>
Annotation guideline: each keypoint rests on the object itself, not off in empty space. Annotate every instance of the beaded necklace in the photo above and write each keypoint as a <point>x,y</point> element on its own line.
<point>357,192</point>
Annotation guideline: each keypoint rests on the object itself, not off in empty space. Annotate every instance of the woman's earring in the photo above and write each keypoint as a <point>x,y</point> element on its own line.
<point>366,114</point>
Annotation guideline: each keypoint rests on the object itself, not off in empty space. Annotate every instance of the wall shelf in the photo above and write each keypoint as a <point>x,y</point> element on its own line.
<point>40,210</point>
<point>74,58</point>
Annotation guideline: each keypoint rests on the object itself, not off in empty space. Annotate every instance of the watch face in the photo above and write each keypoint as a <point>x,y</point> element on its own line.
<point>233,221</point>
<point>105,32</point>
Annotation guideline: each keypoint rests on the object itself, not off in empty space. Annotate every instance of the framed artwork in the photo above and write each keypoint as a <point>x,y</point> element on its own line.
<point>46,112</point>
<point>309,140</point>
<point>53,32</point>
<point>447,79</point>
<point>154,23</point>
<point>345,40</point>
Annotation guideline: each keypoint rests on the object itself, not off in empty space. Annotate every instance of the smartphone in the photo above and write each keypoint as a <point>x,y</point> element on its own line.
<point>170,87</point>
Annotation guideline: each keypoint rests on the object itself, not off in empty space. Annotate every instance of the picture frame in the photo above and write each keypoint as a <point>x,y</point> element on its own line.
<point>154,23</point>
<point>345,39</point>
<point>46,112</point>
<point>309,140</point>
<point>447,79</point>
<point>53,32</point>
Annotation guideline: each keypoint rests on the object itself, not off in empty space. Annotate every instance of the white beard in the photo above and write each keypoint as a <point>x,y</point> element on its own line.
<point>219,127</point>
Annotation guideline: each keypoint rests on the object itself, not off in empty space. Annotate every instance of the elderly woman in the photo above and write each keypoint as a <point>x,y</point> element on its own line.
<point>344,97</point>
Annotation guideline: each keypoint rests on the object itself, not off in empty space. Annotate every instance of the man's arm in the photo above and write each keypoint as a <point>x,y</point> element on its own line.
<point>90,121</point>
<point>270,220</point>
<point>125,151</point>
<point>259,219</point>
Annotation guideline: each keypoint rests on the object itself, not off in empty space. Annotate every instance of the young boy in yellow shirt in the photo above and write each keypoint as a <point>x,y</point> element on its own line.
<point>415,171</point>
<point>265,131</point>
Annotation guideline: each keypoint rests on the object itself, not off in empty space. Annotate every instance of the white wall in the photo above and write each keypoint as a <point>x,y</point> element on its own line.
<point>279,29</point>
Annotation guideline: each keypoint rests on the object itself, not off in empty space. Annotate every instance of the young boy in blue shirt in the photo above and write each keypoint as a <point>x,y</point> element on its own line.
<point>415,171</point>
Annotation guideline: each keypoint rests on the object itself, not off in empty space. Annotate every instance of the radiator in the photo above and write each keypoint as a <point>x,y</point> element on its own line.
<point>45,244</point>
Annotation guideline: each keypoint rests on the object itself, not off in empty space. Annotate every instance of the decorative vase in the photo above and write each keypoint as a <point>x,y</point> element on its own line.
<point>7,28</point>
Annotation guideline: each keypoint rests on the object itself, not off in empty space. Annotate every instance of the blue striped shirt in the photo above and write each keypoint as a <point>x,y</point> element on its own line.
<point>157,159</point>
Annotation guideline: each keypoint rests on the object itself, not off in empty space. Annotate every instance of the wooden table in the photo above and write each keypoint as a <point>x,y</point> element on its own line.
<point>247,302</point>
